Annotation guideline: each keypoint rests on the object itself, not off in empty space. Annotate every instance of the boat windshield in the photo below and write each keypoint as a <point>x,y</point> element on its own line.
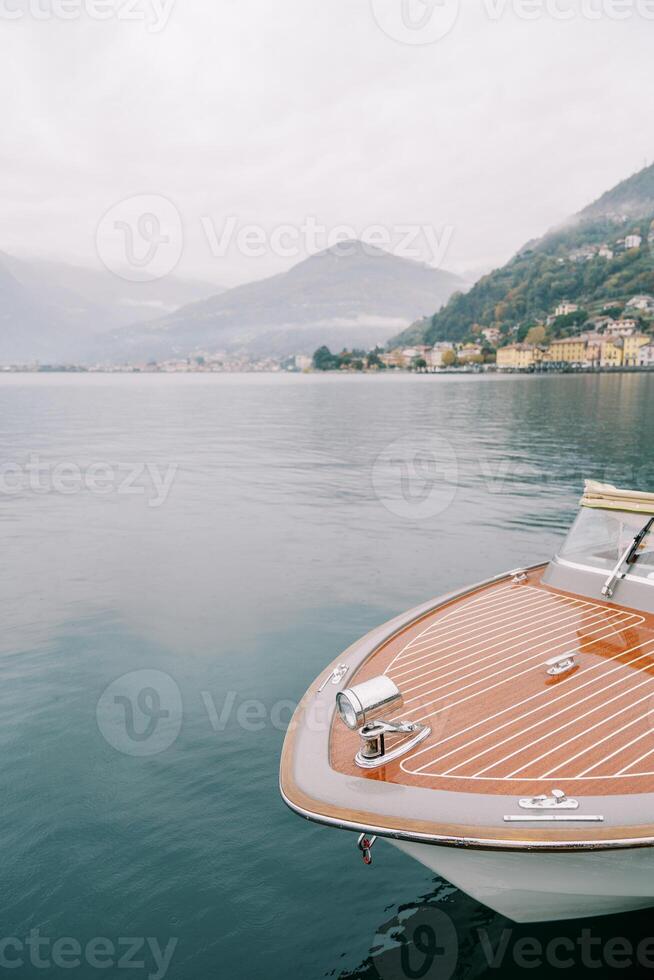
<point>598,538</point>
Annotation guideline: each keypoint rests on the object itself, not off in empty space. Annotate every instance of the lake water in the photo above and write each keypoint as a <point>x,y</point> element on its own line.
<point>182,556</point>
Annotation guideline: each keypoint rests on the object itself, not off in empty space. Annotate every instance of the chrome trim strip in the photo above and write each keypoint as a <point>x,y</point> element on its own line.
<point>552,818</point>
<point>475,843</point>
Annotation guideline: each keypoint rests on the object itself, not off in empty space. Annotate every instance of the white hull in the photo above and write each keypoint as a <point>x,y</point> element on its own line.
<point>531,886</point>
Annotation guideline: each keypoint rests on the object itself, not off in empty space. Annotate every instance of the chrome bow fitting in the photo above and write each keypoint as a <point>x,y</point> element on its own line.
<point>557,801</point>
<point>366,707</point>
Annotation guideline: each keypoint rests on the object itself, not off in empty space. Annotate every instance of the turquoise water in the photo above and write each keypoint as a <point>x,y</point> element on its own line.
<point>182,556</point>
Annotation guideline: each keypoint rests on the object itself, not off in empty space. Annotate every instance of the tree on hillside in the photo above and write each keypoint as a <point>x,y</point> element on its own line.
<point>536,335</point>
<point>374,360</point>
<point>324,360</point>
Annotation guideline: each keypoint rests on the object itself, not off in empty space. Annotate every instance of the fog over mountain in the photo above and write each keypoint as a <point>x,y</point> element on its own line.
<point>51,311</point>
<point>351,295</point>
<point>545,271</point>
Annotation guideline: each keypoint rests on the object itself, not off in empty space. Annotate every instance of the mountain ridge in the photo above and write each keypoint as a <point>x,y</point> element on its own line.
<point>544,272</point>
<point>52,311</point>
<point>351,294</point>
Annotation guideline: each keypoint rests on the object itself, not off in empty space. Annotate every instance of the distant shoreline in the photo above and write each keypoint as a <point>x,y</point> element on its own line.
<point>388,373</point>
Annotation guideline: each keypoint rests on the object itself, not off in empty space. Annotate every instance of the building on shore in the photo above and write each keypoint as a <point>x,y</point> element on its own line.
<point>623,328</point>
<point>519,357</point>
<point>644,303</point>
<point>567,350</point>
<point>632,241</point>
<point>631,348</point>
<point>612,352</point>
<point>437,353</point>
<point>469,352</point>
<point>492,335</point>
<point>394,359</point>
<point>565,308</point>
<point>646,355</point>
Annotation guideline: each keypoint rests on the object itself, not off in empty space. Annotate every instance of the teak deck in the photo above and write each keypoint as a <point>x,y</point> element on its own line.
<point>474,670</point>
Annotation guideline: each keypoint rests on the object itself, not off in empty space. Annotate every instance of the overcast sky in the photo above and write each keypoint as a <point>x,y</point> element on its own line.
<point>268,114</point>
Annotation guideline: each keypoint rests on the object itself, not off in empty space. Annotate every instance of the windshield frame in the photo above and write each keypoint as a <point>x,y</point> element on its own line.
<point>583,524</point>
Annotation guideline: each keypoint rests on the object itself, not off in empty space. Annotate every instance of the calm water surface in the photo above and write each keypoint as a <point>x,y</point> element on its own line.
<point>225,538</point>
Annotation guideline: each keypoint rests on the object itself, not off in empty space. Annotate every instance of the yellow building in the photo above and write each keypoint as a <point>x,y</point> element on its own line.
<point>570,350</point>
<point>631,348</point>
<point>612,353</point>
<point>518,357</point>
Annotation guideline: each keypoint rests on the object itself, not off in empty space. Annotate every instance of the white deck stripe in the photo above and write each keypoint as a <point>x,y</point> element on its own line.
<point>532,697</point>
<point>540,594</point>
<point>523,646</point>
<point>626,769</point>
<point>491,623</point>
<point>521,732</point>
<point>431,644</point>
<point>512,677</point>
<point>623,748</point>
<point>450,655</point>
<point>484,626</point>
<point>606,738</point>
<point>455,655</point>
<point>574,721</point>
<point>603,721</point>
<point>465,605</point>
<point>539,725</point>
<point>511,777</point>
<point>558,640</point>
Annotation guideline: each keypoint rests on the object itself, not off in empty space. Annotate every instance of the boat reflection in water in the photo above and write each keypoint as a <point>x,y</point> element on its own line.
<point>446,935</point>
<point>502,735</point>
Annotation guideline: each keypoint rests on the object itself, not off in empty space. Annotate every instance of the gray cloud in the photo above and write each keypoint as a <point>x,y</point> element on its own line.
<point>274,112</point>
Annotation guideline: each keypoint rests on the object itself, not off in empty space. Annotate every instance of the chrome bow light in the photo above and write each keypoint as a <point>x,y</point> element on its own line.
<point>364,707</point>
<point>366,701</point>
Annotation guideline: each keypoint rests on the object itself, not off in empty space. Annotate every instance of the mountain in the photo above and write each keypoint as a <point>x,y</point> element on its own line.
<point>633,197</point>
<point>51,311</point>
<point>115,300</point>
<point>30,326</point>
<point>351,295</point>
<point>584,261</point>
